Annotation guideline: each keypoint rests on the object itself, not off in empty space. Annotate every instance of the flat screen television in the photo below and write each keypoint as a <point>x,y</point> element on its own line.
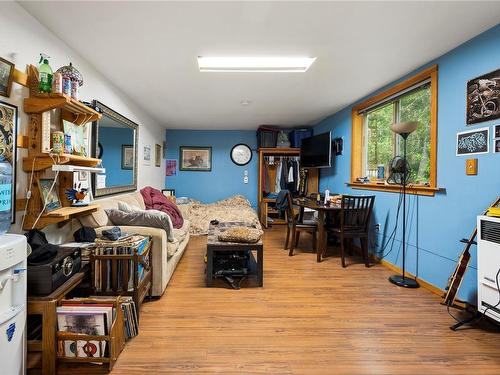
<point>316,151</point>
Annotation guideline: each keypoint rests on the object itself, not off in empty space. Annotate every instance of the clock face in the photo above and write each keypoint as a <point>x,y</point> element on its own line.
<point>241,154</point>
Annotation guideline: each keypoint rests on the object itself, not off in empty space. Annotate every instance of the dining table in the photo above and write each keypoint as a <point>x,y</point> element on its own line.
<point>322,210</point>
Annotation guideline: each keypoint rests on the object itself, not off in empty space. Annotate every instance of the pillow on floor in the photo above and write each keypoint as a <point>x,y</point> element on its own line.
<point>142,218</point>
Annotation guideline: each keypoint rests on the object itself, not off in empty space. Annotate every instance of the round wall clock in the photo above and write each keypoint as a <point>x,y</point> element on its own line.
<point>241,154</point>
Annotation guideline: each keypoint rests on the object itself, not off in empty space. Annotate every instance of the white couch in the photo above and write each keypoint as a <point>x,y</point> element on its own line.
<point>165,255</point>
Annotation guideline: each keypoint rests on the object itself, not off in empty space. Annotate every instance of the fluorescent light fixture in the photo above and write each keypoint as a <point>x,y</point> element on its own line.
<point>76,168</point>
<point>255,64</point>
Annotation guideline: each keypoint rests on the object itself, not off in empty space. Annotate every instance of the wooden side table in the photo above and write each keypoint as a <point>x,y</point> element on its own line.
<point>46,307</point>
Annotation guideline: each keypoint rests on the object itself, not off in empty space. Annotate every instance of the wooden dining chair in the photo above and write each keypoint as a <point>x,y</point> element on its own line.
<point>295,226</point>
<point>355,216</point>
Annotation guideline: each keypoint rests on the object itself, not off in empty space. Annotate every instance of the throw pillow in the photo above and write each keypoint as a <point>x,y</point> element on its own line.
<point>122,206</point>
<point>144,218</point>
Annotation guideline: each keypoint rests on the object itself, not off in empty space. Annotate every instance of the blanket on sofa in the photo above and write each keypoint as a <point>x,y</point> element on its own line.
<point>235,208</point>
<point>155,200</point>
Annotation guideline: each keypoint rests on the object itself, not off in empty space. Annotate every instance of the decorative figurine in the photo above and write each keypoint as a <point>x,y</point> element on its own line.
<point>77,195</point>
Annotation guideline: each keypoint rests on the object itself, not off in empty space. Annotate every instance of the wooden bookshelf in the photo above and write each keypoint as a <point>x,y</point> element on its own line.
<point>44,161</point>
<point>37,162</point>
<point>72,110</point>
<point>60,215</point>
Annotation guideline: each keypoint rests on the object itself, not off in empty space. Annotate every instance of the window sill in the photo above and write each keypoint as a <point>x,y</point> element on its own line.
<point>410,189</point>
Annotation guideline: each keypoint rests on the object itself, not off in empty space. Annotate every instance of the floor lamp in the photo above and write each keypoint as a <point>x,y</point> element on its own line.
<point>404,129</point>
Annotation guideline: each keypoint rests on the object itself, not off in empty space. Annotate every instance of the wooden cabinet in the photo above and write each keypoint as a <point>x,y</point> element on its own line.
<point>266,204</point>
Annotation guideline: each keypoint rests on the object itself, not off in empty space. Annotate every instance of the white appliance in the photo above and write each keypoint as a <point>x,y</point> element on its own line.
<point>13,252</point>
<point>488,266</point>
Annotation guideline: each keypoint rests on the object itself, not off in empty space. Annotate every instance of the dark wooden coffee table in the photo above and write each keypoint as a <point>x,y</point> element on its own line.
<point>213,245</point>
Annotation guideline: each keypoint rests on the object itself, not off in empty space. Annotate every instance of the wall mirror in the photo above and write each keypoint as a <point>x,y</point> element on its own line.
<point>114,141</point>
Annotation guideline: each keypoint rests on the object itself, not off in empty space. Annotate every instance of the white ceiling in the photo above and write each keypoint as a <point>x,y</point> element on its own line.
<point>149,51</point>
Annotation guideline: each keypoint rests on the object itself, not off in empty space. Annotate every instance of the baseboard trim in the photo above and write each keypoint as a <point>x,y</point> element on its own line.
<point>424,284</point>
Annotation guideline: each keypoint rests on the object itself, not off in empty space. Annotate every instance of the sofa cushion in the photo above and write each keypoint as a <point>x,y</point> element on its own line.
<point>181,233</point>
<point>122,206</point>
<point>99,218</point>
<point>96,219</point>
<point>147,218</point>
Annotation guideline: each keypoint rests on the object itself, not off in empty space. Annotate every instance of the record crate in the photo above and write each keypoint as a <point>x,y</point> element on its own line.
<point>111,344</point>
<point>123,268</point>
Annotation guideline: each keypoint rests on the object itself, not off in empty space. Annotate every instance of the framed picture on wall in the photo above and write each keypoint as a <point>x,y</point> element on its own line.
<point>6,77</point>
<point>127,157</point>
<point>483,98</point>
<point>196,159</point>
<point>146,155</point>
<point>157,155</point>
<point>8,137</point>
<point>473,142</point>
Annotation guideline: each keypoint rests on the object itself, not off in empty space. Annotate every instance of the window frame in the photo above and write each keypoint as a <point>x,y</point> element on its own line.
<point>358,136</point>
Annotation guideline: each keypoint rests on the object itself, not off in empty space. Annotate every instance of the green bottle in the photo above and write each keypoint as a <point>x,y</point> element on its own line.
<point>45,74</point>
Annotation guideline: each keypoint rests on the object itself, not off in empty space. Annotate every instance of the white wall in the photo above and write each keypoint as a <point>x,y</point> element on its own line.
<point>22,39</point>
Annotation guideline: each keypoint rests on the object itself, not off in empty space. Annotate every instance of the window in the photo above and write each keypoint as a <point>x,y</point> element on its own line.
<point>382,145</point>
<point>374,144</point>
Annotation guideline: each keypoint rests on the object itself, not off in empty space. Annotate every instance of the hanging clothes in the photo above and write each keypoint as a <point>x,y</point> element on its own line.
<point>290,172</point>
<point>284,174</point>
<point>266,185</point>
<point>297,180</point>
<point>277,182</point>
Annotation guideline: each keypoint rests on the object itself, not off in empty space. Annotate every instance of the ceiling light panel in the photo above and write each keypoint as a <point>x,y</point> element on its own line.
<point>255,64</point>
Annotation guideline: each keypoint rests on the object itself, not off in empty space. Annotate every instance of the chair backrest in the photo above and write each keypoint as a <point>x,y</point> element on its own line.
<point>290,215</point>
<point>356,211</point>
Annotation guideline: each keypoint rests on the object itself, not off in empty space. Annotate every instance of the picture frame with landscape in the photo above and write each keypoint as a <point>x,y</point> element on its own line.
<point>195,158</point>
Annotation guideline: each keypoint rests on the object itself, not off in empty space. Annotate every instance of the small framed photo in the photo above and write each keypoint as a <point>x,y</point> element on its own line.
<point>196,159</point>
<point>83,175</point>
<point>168,192</point>
<point>146,155</point>
<point>497,131</point>
<point>127,157</point>
<point>6,77</point>
<point>50,199</point>
<point>157,155</point>
<point>496,145</point>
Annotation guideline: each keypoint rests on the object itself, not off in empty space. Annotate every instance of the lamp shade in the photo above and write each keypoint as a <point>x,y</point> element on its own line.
<point>406,127</point>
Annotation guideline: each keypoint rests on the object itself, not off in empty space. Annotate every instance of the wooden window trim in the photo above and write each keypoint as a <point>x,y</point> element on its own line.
<point>358,134</point>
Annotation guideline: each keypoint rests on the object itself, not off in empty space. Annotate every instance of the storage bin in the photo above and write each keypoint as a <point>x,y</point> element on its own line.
<point>113,342</point>
<point>266,137</point>
<point>297,135</point>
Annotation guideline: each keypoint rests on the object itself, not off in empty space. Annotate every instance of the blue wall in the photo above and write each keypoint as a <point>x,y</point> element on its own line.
<point>226,178</point>
<point>112,140</point>
<point>436,223</point>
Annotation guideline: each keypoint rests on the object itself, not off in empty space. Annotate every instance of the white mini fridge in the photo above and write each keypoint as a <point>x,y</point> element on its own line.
<point>13,252</point>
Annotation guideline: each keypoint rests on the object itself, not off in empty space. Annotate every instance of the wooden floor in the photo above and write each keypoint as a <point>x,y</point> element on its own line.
<point>309,318</point>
